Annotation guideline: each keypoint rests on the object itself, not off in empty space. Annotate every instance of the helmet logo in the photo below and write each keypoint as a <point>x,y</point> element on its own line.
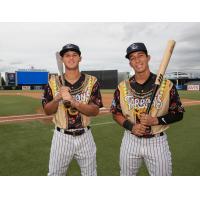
<point>134,46</point>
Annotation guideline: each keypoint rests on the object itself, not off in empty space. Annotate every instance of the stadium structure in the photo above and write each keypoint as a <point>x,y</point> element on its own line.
<point>29,79</point>
<point>36,79</point>
<point>185,80</point>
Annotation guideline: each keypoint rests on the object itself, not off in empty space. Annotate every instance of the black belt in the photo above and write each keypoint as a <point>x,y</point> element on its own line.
<point>74,133</point>
<point>149,135</point>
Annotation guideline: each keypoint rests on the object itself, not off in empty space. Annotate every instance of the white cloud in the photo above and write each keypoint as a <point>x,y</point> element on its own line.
<point>103,45</point>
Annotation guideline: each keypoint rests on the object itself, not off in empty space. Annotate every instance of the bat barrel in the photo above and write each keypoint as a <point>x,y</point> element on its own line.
<point>165,61</point>
<point>163,66</point>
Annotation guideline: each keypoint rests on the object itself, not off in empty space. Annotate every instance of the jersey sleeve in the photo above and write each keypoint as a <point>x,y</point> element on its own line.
<point>47,95</point>
<point>115,106</point>
<point>175,102</point>
<point>96,95</point>
<point>175,111</point>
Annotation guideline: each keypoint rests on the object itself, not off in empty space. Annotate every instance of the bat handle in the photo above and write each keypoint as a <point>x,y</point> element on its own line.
<point>66,103</point>
<point>148,129</point>
<point>152,98</point>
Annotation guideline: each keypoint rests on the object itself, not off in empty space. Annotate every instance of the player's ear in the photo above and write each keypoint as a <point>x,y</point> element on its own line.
<point>80,59</point>
<point>131,66</point>
<point>149,58</point>
<point>129,62</point>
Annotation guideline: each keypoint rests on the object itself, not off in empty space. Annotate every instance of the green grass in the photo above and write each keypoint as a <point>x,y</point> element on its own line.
<point>18,105</point>
<point>24,147</point>
<point>189,94</point>
<point>185,139</point>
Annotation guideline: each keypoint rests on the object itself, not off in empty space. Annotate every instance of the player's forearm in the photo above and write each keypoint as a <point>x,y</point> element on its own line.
<point>170,118</point>
<point>122,121</point>
<point>86,109</point>
<point>51,107</point>
<point>119,119</point>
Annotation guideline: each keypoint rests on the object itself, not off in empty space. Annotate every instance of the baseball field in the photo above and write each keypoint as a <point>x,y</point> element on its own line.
<point>25,137</point>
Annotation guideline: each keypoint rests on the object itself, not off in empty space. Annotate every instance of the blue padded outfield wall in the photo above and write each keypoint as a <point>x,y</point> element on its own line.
<point>31,78</point>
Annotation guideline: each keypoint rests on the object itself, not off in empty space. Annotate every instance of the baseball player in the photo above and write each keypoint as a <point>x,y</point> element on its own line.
<point>72,137</point>
<point>145,138</point>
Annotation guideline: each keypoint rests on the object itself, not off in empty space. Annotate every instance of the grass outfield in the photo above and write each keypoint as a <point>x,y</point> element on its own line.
<point>24,147</point>
<point>189,94</point>
<point>18,105</point>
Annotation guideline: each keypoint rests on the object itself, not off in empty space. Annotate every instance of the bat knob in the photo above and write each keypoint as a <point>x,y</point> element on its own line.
<point>148,130</point>
<point>67,104</point>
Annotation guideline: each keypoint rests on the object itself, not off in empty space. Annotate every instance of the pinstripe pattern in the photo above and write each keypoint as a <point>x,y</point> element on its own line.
<point>154,151</point>
<point>65,147</point>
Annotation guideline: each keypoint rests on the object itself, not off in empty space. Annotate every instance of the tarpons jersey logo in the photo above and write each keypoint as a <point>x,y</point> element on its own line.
<point>142,103</point>
<point>84,96</point>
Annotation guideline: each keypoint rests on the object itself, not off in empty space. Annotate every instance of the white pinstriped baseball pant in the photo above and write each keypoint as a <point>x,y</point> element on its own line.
<point>66,147</point>
<point>154,151</point>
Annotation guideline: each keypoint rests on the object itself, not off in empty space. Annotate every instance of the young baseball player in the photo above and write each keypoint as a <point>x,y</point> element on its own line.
<point>145,136</point>
<point>72,137</point>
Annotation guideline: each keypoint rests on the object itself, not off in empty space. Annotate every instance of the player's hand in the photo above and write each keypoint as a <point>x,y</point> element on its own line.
<point>58,97</point>
<point>148,120</point>
<point>65,93</point>
<point>139,129</point>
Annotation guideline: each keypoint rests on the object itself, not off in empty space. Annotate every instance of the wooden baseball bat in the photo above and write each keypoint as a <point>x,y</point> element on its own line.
<point>163,66</point>
<point>67,104</point>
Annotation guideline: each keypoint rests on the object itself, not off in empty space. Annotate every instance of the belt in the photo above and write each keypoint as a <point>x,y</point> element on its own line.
<point>72,132</point>
<point>150,135</point>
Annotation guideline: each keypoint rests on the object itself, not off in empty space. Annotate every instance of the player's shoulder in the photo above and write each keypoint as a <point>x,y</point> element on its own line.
<point>54,77</point>
<point>165,80</point>
<point>123,83</point>
<point>90,77</point>
<point>168,81</point>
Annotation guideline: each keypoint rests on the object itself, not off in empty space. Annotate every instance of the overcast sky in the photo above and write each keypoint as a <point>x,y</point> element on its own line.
<point>103,45</point>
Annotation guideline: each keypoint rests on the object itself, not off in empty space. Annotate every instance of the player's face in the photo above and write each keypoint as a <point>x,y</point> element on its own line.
<point>139,61</point>
<point>71,60</point>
